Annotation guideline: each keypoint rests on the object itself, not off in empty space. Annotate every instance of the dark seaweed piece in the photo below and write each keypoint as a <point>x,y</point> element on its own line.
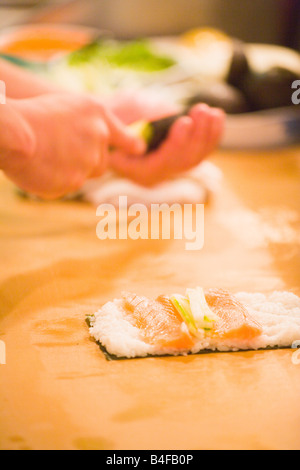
<point>160,130</point>
<point>88,320</point>
<point>220,95</point>
<point>239,67</point>
<point>271,89</point>
<point>112,357</point>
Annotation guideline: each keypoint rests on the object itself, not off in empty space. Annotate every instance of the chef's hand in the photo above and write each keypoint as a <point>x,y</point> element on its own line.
<point>58,141</point>
<point>191,138</point>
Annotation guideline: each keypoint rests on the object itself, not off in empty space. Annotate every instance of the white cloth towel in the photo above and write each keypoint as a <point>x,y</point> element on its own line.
<point>191,188</point>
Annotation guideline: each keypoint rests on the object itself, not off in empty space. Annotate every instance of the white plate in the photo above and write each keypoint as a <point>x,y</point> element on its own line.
<point>263,130</point>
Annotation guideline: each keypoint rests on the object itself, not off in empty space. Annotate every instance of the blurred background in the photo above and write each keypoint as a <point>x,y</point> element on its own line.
<point>264,21</point>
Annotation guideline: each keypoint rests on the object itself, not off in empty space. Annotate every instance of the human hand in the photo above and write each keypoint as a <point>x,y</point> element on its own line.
<point>191,139</point>
<point>71,136</point>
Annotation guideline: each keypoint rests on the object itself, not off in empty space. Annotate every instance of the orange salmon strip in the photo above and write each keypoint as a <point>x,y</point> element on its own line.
<point>235,321</point>
<point>160,324</point>
<point>158,321</point>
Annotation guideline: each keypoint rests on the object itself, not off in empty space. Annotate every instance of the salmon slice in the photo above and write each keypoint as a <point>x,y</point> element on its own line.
<point>235,321</point>
<point>159,322</point>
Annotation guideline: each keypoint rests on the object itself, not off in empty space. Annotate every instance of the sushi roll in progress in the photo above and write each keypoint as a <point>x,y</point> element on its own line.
<point>154,133</point>
<point>214,320</point>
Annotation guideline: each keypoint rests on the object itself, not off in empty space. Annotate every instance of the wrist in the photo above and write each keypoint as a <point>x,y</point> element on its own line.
<point>22,84</point>
<point>17,140</point>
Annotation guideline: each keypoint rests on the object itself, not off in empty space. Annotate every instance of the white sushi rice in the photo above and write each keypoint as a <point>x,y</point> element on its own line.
<point>278,313</point>
<point>116,334</point>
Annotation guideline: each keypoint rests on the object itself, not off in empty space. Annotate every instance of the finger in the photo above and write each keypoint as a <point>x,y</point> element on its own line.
<point>146,170</point>
<point>196,150</point>
<point>98,161</point>
<point>172,154</point>
<point>185,147</point>
<point>102,162</point>
<point>181,131</point>
<point>176,141</point>
<point>217,130</point>
<point>161,164</point>
<point>122,138</point>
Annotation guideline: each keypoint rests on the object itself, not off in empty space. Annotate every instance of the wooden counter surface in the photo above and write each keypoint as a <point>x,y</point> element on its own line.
<point>57,391</point>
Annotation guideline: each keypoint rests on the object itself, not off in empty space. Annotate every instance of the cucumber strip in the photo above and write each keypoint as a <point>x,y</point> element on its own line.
<point>155,132</point>
<point>142,129</point>
<point>182,306</point>
<point>202,314</point>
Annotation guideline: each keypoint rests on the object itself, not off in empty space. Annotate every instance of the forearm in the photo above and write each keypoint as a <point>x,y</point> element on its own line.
<point>16,137</point>
<point>21,83</point>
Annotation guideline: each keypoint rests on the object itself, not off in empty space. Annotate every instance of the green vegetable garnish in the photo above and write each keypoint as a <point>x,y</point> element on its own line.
<point>142,129</point>
<point>155,132</point>
<point>195,311</point>
<point>202,314</point>
<point>182,305</point>
<point>136,55</point>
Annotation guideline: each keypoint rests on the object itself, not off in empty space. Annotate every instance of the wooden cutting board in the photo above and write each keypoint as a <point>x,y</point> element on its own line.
<point>57,391</point>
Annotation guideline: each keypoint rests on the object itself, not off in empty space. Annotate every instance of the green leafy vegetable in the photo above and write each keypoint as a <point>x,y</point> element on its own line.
<point>136,55</point>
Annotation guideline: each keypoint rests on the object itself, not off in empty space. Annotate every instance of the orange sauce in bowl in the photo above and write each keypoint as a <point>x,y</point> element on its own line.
<point>43,42</point>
